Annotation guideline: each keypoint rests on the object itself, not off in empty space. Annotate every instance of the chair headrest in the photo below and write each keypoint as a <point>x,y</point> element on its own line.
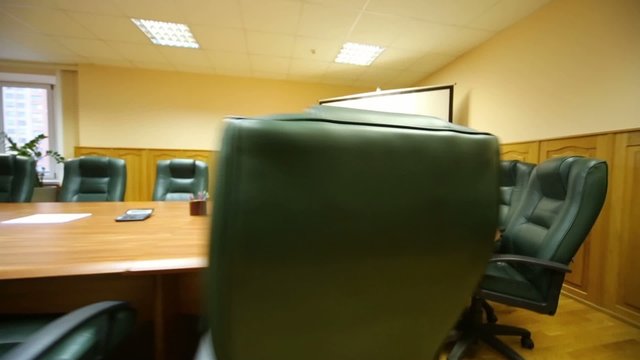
<point>182,168</point>
<point>508,173</point>
<point>6,164</point>
<point>553,176</point>
<point>94,166</point>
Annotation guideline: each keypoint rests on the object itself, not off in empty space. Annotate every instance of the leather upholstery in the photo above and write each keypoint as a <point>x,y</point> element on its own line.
<point>559,206</point>
<point>94,178</point>
<point>179,179</point>
<point>17,178</point>
<point>514,176</point>
<point>91,332</point>
<point>347,234</point>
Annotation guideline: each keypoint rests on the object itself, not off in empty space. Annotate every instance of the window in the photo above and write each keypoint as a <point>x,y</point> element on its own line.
<point>34,116</point>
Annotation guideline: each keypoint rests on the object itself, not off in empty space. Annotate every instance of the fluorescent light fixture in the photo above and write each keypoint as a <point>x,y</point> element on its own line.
<point>166,33</point>
<point>358,54</point>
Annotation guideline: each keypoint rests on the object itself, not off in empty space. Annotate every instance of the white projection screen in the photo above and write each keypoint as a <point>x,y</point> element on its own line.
<point>434,101</point>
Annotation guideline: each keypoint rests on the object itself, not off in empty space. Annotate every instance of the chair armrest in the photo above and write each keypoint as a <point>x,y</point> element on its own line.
<point>547,264</point>
<point>56,331</point>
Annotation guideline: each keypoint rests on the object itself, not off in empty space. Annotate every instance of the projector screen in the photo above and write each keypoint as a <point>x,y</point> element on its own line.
<point>434,101</point>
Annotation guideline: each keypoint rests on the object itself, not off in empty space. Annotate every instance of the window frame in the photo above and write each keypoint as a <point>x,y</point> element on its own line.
<point>46,82</point>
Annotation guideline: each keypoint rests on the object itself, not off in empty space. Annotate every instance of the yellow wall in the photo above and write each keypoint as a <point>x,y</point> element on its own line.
<point>572,67</point>
<point>68,83</point>
<point>121,107</point>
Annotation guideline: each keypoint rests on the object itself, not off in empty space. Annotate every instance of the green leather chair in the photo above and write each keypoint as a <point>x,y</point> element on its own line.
<point>514,176</point>
<point>559,206</point>
<point>346,234</point>
<point>17,178</point>
<point>93,178</point>
<point>91,332</point>
<point>180,179</point>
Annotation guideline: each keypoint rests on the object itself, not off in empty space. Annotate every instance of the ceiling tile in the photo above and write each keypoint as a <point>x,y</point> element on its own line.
<point>316,49</point>
<point>398,59</point>
<point>137,52</point>
<point>354,4</point>
<point>185,56</point>
<point>229,61</point>
<point>90,48</point>
<point>261,43</point>
<point>326,22</point>
<point>505,13</point>
<point>32,3</point>
<point>418,35</point>
<point>376,77</point>
<point>212,37</point>
<point>271,64</point>
<point>153,65</point>
<point>101,7</point>
<point>224,13</point>
<point>163,10</point>
<point>450,12</point>
<point>376,29</point>
<point>49,21</point>
<point>308,67</point>
<point>111,27</point>
<point>278,16</point>
<point>457,40</point>
<point>344,71</point>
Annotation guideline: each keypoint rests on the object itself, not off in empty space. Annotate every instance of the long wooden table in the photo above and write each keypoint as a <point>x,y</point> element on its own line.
<point>154,264</point>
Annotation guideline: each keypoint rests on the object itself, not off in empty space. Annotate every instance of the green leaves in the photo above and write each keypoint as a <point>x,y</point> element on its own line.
<point>31,148</point>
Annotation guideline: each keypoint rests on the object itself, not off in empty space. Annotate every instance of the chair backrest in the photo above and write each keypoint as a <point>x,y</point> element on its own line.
<point>17,178</point>
<point>514,176</point>
<point>347,234</point>
<point>93,178</point>
<point>179,179</point>
<point>559,206</point>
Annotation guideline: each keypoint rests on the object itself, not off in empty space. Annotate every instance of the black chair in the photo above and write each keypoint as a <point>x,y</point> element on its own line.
<point>17,178</point>
<point>346,234</point>
<point>180,179</point>
<point>559,206</point>
<point>514,176</point>
<point>91,332</point>
<point>93,178</point>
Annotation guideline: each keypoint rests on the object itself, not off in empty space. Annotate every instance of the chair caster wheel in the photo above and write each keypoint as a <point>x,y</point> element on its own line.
<point>526,343</point>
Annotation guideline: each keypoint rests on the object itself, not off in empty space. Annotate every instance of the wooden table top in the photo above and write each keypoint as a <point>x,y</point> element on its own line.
<point>170,240</point>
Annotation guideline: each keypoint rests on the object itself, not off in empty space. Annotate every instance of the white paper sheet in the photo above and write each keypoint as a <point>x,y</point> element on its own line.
<point>46,218</point>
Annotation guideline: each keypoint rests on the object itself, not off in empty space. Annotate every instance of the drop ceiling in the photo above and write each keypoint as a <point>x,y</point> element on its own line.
<point>277,39</point>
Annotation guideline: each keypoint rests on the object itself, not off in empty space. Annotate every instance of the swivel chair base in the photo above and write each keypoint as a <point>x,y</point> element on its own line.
<point>472,329</point>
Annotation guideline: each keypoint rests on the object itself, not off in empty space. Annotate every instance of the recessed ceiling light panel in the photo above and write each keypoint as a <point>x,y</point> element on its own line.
<point>166,33</point>
<point>358,54</point>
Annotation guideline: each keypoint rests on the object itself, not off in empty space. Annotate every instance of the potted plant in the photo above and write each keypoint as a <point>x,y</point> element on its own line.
<point>32,149</point>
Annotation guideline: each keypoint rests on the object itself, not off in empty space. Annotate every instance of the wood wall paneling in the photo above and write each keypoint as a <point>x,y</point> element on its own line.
<point>586,279</point>
<point>622,290</point>
<point>527,152</point>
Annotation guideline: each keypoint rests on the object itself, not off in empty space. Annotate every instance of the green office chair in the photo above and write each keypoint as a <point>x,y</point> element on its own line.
<point>180,179</point>
<point>17,178</point>
<point>559,206</point>
<point>91,332</point>
<point>346,234</point>
<point>514,176</point>
<point>93,178</point>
